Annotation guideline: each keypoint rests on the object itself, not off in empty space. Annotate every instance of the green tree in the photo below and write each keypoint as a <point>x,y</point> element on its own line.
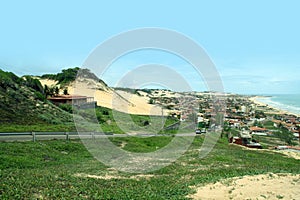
<point>226,127</point>
<point>285,135</point>
<point>46,91</point>
<point>66,76</point>
<point>259,114</point>
<point>51,91</point>
<point>34,84</point>
<point>56,91</point>
<point>258,124</point>
<point>66,91</point>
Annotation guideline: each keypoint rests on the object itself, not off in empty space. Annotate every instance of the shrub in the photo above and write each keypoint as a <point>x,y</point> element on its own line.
<point>151,101</point>
<point>66,107</point>
<point>285,135</point>
<point>39,96</point>
<point>34,84</point>
<point>105,112</point>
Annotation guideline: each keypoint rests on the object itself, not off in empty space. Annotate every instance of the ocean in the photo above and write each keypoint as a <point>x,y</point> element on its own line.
<point>286,102</point>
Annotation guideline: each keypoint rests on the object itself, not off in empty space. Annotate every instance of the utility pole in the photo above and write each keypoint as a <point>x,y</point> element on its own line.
<point>299,134</point>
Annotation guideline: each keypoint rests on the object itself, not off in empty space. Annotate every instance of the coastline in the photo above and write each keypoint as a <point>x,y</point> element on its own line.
<point>279,111</point>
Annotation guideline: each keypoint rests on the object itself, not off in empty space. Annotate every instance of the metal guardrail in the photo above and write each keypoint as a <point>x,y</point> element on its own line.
<point>34,136</point>
<point>172,126</point>
<point>40,135</point>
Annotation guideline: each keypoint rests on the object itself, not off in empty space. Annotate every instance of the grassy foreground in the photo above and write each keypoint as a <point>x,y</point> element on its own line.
<point>49,170</point>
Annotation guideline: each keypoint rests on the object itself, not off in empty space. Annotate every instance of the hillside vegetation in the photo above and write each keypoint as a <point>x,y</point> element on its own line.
<point>67,76</point>
<point>64,77</point>
<point>22,102</point>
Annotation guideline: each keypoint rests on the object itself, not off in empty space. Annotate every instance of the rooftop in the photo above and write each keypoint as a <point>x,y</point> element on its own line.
<point>68,97</point>
<point>255,128</point>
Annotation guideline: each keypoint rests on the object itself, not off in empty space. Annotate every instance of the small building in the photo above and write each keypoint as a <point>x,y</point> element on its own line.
<point>245,139</point>
<point>234,123</point>
<point>75,100</point>
<point>258,131</point>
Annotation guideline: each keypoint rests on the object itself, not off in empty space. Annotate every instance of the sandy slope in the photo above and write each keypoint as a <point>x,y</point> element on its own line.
<point>118,100</point>
<point>47,82</point>
<point>266,186</point>
<point>107,97</point>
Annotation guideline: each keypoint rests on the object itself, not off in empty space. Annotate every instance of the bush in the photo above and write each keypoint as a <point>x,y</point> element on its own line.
<point>9,79</point>
<point>105,112</point>
<point>100,118</point>
<point>258,124</point>
<point>151,101</point>
<point>39,96</point>
<point>34,84</point>
<point>259,114</point>
<point>66,107</point>
<point>285,135</point>
<point>66,76</point>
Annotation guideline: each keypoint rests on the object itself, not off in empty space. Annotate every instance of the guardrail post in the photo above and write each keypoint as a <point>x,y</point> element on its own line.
<point>67,136</point>
<point>33,136</point>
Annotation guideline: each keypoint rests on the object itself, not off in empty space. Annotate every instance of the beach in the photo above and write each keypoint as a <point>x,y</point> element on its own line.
<point>258,100</point>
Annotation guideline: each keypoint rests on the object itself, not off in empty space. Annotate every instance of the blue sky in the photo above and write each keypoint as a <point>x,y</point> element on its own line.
<point>255,45</point>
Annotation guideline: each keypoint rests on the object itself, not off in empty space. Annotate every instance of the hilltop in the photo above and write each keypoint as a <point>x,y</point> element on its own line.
<point>83,82</point>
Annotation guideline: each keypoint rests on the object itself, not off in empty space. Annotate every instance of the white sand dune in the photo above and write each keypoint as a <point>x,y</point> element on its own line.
<point>48,82</point>
<point>118,100</point>
<point>109,98</point>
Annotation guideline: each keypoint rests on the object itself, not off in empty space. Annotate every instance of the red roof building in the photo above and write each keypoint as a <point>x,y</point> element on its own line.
<point>257,129</point>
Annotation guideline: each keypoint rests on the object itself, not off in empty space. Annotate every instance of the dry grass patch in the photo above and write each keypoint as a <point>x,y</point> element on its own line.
<point>113,176</point>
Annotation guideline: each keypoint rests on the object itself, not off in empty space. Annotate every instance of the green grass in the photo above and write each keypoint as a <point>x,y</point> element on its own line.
<point>38,127</point>
<point>269,125</point>
<point>105,116</point>
<point>118,122</point>
<point>234,131</point>
<point>139,144</point>
<point>47,170</point>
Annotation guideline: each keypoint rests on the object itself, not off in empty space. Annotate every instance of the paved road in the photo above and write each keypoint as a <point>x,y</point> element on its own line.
<point>27,136</point>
